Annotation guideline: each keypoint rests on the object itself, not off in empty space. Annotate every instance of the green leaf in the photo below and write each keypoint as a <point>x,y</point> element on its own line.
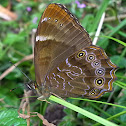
<point>12,38</point>
<point>98,15</point>
<point>116,29</point>
<point>121,63</point>
<point>86,21</point>
<point>59,1</point>
<point>103,43</point>
<point>10,117</point>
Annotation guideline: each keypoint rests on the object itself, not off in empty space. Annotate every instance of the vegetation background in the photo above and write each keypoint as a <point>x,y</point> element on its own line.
<point>18,21</point>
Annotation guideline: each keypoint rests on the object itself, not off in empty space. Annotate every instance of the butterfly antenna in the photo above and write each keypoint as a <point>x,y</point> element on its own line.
<point>20,70</point>
<point>14,88</point>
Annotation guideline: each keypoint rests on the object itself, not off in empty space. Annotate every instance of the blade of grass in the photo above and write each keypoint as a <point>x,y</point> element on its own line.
<point>112,117</point>
<point>124,84</point>
<point>116,29</point>
<point>117,40</point>
<point>102,111</point>
<point>119,76</point>
<point>82,111</point>
<point>119,32</point>
<point>122,55</point>
<point>99,102</point>
<point>121,84</point>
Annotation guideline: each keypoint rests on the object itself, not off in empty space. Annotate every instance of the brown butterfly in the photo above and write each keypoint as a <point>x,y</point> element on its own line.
<point>66,62</point>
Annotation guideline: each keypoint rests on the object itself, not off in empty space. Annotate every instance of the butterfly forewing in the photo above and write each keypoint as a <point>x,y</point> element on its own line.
<point>58,36</point>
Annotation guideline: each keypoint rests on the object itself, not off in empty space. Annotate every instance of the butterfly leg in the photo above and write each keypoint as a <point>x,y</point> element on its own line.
<point>40,99</point>
<point>57,95</point>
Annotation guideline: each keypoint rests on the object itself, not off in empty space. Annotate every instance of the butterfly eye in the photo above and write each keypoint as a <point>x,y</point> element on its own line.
<point>90,57</point>
<point>100,72</point>
<point>81,54</point>
<point>99,81</point>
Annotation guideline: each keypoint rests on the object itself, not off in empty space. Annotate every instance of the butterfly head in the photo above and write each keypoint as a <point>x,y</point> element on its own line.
<point>42,91</point>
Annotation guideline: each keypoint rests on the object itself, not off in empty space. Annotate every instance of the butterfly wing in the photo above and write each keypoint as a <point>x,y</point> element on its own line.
<point>65,61</point>
<point>58,36</point>
<point>86,73</point>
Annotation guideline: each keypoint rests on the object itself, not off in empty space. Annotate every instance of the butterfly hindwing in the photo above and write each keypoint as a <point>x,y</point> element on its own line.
<point>86,73</point>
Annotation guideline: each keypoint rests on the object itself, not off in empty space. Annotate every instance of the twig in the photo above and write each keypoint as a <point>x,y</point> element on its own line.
<point>33,39</point>
<point>45,122</point>
<point>28,107</point>
<point>6,14</point>
<point>99,29</point>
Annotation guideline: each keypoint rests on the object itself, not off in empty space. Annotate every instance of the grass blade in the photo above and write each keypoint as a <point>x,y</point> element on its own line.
<point>82,111</point>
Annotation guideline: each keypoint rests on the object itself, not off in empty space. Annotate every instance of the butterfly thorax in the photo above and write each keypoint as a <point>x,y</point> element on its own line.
<point>43,91</point>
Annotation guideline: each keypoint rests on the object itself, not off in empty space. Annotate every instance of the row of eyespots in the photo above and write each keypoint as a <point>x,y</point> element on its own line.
<point>98,82</point>
<point>99,72</point>
<point>72,16</point>
<point>68,12</point>
<point>45,19</point>
<point>89,57</point>
<point>95,64</point>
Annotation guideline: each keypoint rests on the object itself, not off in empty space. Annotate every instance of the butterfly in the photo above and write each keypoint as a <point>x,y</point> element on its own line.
<point>66,62</point>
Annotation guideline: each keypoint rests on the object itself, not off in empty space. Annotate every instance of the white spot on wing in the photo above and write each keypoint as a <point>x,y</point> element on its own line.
<point>44,19</point>
<point>37,38</point>
<point>61,25</point>
<point>41,38</point>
